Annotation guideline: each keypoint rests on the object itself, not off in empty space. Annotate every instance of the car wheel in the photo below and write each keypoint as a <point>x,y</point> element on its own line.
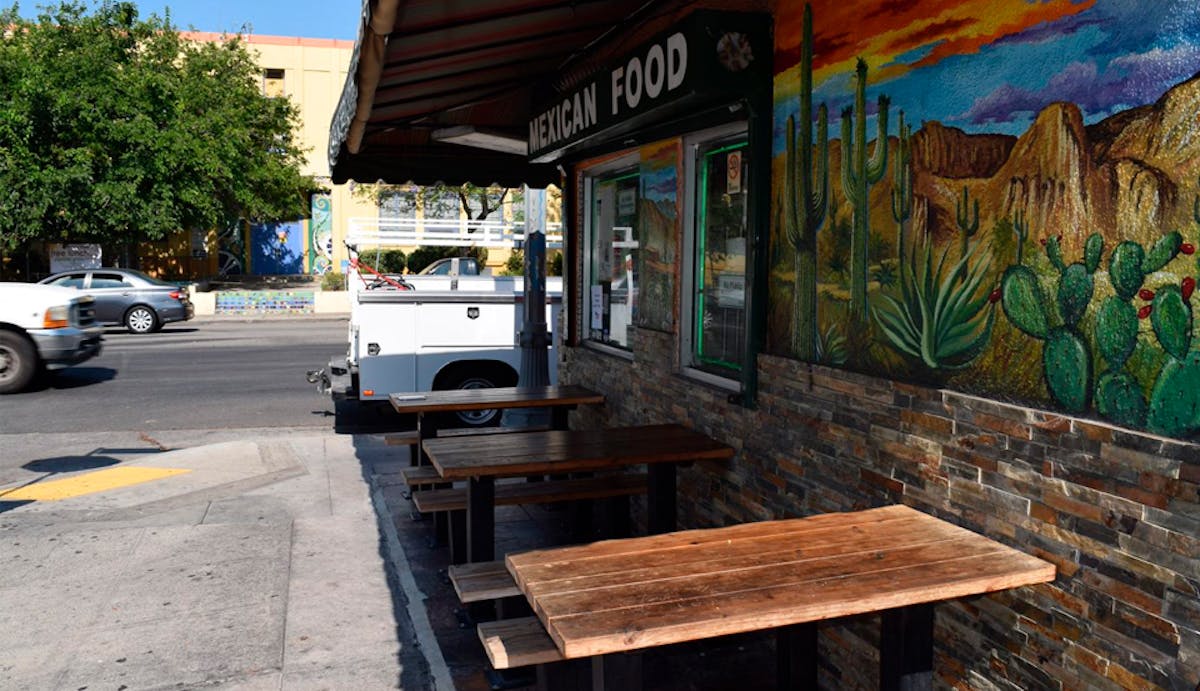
<point>140,320</point>
<point>18,362</point>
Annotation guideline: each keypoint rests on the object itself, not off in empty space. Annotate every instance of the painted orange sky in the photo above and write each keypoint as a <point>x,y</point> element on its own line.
<point>843,31</point>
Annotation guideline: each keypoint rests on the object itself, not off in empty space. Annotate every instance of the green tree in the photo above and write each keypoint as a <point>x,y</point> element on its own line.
<point>115,130</point>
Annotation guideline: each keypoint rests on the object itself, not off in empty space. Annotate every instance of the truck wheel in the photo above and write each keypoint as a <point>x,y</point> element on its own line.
<point>18,362</point>
<point>141,320</point>
<point>474,378</point>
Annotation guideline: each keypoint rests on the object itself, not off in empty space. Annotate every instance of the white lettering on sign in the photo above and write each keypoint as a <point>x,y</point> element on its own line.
<point>573,115</point>
<point>660,69</point>
<point>654,71</point>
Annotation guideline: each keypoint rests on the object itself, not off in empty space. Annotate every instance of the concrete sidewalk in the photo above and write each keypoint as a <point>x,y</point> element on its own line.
<point>280,559</point>
<point>261,567</point>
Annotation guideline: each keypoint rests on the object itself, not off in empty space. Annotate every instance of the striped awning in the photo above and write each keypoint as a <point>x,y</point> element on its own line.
<point>424,66</point>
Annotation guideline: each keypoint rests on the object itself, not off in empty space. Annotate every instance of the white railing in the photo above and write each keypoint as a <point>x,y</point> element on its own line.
<point>408,232</point>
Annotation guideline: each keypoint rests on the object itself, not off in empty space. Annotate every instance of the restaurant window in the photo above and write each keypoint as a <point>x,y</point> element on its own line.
<point>610,302</point>
<point>715,341</point>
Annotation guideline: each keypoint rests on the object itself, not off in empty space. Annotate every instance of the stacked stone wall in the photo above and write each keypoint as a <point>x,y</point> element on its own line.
<point>1118,512</point>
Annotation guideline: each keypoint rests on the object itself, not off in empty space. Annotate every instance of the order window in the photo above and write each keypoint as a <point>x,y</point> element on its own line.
<point>718,277</point>
<point>611,301</point>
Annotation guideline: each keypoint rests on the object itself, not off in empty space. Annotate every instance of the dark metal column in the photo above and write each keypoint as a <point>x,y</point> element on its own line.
<point>906,649</point>
<point>535,337</point>
<point>481,519</point>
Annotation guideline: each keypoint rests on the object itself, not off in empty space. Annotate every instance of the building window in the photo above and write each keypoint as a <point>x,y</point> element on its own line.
<point>719,190</point>
<point>611,272</point>
<point>273,82</point>
<point>398,204</point>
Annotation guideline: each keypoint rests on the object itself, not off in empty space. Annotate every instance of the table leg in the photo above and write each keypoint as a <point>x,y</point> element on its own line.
<point>481,519</point>
<point>427,428</point>
<point>906,649</point>
<point>617,672</point>
<point>559,415</point>
<point>660,498</point>
<point>796,656</point>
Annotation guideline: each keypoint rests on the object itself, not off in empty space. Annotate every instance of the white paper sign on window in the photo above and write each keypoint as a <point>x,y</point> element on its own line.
<point>597,307</point>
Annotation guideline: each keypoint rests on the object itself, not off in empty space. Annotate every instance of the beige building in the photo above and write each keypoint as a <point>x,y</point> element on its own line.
<point>311,72</point>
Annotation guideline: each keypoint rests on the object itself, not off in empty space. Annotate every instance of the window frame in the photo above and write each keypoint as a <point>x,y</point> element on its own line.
<point>693,143</point>
<point>627,161</point>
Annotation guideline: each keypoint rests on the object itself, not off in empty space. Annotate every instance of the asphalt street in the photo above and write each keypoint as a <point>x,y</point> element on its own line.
<point>215,374</point>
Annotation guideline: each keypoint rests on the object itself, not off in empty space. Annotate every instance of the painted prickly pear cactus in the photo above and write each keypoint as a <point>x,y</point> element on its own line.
<point>1173,407</point>
<point>1066,357</point>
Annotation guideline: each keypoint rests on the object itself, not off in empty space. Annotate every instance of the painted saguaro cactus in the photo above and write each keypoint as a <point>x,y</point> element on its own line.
<point>902,195</point>
<point>858,174</point>
<point>966,219</point>
<point>1021,230</point>
<point>806,189</point>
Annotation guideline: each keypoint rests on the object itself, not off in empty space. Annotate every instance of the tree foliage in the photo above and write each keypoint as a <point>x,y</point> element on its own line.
<point>115,129</point>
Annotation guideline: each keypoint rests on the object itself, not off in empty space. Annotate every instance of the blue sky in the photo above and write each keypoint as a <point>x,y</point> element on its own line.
<point>307,18</point>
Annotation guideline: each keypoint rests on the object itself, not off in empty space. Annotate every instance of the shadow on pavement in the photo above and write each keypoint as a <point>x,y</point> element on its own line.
<point>96,458</point>
<point>70,464</point>
<point>72,378</point>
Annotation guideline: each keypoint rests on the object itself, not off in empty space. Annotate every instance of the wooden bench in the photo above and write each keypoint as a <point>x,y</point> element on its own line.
<point>517,643</point>
<point>482,581</point>
<point>420,475</point>
<point>452,502</point>
<point>411,437</point>
<point>553,491</point>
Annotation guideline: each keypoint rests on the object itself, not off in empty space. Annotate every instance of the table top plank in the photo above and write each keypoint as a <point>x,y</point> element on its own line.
<point>589,609</point>
<point>759,541</point>
<point>668,584</point>
<point>561,451</point>
<point>737,557</point>
<point>453,400</point>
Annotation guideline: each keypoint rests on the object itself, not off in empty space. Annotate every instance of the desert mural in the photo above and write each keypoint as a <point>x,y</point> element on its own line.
<point>998,197</point>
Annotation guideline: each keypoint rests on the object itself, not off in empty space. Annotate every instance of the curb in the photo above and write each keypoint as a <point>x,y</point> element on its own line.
<point>338,316</point>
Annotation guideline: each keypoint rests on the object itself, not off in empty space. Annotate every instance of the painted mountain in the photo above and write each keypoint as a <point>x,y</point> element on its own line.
<point>1129,176</point>
<point>1031,237</point>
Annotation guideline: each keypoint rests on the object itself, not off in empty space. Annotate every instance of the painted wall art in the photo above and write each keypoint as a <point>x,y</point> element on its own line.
<point>658,233</point>
<point>996,197</point>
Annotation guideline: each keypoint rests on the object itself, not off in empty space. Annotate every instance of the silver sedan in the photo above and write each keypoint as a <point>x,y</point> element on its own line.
<point>129,298</point>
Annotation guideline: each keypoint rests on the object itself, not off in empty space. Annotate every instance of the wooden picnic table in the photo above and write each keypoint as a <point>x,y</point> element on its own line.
<point>561,399</point>
<point>623,595</point>
<point>480,460</point>
<point>429,406</point>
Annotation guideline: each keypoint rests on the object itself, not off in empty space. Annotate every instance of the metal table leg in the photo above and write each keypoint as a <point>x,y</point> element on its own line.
<point>906,649</point>
<point>481,519</point>
<point>660,498</point>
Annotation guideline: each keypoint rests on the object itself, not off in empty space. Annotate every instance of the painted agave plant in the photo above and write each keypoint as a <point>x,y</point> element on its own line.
<point>945,315</point>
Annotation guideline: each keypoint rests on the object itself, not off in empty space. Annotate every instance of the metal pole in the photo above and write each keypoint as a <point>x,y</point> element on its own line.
<point>535,338</point>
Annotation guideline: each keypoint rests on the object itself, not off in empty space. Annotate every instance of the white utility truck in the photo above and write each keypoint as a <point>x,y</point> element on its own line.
<point>410,334</point>
<point>43,328</point>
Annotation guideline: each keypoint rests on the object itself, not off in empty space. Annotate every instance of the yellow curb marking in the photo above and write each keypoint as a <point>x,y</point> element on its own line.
<point>88,483</point>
